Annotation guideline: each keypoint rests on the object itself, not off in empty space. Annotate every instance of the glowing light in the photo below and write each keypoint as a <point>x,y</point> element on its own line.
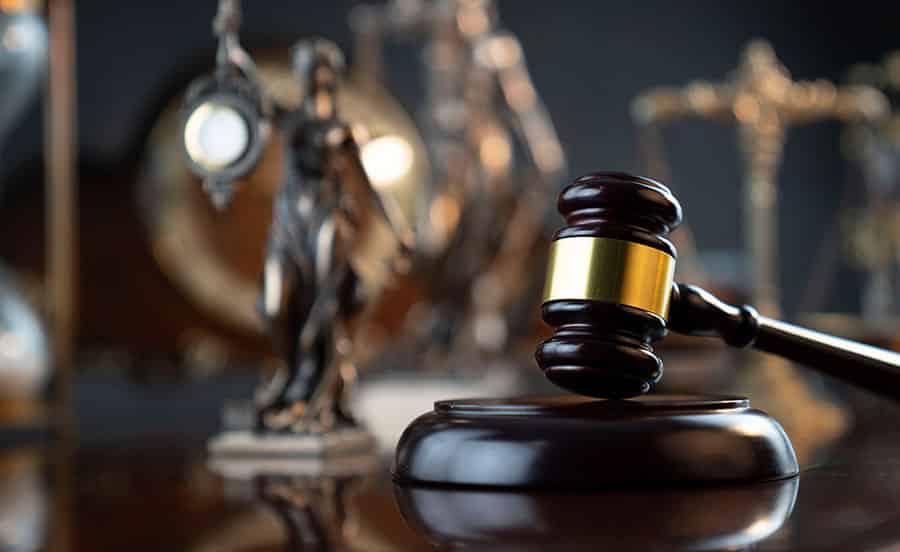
<point>15,6</point>
<point>387,160</point>
<point>495,153</point>
<point>444,214</point>
<point>753,427</point>
<point>747,109</point>
<point>761,527</point>
<point>216,135</point>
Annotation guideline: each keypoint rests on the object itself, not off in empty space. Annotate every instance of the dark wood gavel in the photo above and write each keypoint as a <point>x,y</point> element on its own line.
<point>610,295</point>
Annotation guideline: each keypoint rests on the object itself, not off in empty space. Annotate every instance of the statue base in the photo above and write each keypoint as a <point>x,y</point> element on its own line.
<point>247,468</point>
<point>246,443</point>
<point>571,442</point>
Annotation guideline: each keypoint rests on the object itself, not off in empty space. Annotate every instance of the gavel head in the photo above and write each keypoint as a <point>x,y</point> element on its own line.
<point>608,286</point>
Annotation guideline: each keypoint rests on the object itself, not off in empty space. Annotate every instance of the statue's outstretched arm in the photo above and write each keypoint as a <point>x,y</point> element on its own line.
<point>366,205</point>
<point>501,53</point>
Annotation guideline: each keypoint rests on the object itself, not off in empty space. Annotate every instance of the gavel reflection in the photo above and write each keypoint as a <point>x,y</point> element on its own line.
<point>611,295</point>
<point>713,518</point>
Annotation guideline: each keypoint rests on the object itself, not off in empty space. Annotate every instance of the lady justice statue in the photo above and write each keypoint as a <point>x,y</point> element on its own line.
<point>497,163</point>
<point>333,242</point>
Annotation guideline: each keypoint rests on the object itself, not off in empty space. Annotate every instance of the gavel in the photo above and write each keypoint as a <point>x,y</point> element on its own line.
<point>610,295</point>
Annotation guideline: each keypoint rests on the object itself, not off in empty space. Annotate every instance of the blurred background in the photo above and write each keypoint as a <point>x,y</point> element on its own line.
<point>152,338</point>
<point>150,352</point>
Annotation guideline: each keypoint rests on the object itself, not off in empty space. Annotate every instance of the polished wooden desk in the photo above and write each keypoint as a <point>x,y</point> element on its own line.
<point>149,495</point>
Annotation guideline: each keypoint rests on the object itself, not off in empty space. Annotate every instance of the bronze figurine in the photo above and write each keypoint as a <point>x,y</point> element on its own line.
<point>333,241</point>
<point>484,211</point>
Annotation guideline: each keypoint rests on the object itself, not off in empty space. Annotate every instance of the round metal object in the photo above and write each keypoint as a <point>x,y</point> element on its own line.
<point>216,135</point>
<point>223,131</point>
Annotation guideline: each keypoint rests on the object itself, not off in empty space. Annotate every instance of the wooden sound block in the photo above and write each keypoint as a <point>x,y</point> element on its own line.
<point>572,442</point>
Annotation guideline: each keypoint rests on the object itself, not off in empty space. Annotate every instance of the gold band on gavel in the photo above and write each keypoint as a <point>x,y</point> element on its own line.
<point>610,271</point>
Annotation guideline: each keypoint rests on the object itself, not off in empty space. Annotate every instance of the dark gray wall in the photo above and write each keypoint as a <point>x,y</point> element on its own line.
<point>589,58</point>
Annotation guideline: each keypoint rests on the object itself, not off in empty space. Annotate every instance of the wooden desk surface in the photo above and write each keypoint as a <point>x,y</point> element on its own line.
<point>149,496</point>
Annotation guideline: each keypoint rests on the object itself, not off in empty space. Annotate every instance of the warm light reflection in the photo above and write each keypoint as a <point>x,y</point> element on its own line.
<point>753,427</point>
<point>495,152</point>
<point>762,527</point>
<point>13,6</point>
<point>444,214</point>
<point>746,109</point>
<point>387,160</point>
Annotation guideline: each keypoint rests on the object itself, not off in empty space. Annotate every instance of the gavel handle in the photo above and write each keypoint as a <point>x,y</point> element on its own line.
<point>868,367</point>
<point>697,312</point>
